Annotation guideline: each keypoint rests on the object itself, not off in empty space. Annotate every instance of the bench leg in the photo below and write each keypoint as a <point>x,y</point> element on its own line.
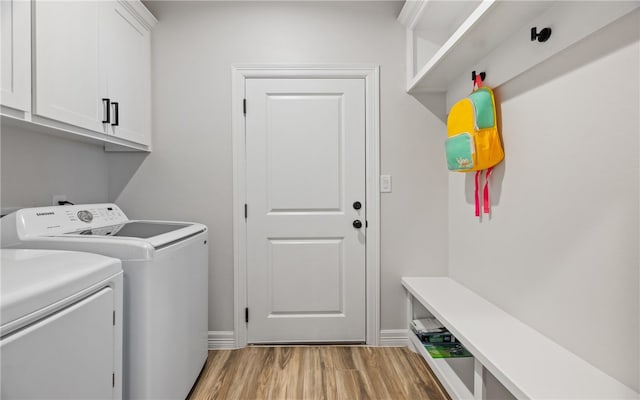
<point>409,299</point>
<point>479,386</point>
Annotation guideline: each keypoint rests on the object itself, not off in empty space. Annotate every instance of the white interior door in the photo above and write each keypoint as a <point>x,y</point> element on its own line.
<point>305,169</point>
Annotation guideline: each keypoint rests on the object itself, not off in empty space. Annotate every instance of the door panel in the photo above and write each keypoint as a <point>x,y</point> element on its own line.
<point>314,183</point>
<point>305,143</point>
<point>306,276</point>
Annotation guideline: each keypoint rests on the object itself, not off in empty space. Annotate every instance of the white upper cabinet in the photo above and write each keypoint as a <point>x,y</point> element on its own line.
<point>70,73</point>
<point>92,70</point>
<point>15,89</point>
<point>447,40</point>
<point>127,61</point>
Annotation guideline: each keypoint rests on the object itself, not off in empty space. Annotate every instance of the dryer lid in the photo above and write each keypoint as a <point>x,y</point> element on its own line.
<point>35,279</point>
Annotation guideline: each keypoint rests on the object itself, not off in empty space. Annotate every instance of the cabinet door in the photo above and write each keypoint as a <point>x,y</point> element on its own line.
<point>127,43</point>
<point>16,54</point>
<point>69,71</point>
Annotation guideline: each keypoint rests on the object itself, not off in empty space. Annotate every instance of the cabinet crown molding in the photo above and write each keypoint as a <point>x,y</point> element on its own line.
<point>142,14</point>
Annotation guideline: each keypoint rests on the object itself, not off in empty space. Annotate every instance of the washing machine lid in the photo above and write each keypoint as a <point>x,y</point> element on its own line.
<point>31,280</point>
<point>135,229</point>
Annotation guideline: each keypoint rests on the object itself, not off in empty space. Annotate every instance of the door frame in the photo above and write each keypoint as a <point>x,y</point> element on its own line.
<point>371,75</point>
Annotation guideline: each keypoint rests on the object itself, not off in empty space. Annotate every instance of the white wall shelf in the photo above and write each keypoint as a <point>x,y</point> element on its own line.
<point>528,364</point>
<point>448,40</point>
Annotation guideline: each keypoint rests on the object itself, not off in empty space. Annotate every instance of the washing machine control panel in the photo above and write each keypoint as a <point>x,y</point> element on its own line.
<point>85,216</point>
<point>63,219</point>
<point>95,215</point>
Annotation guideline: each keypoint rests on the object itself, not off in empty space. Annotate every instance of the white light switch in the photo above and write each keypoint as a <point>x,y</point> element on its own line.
<point>385,183</point>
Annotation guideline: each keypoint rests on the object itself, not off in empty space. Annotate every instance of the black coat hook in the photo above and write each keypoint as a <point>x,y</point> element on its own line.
<point>482,75</point>
<point>541,36</point>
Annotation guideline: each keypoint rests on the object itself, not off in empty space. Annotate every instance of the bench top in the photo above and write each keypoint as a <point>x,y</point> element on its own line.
<point>527,363</point>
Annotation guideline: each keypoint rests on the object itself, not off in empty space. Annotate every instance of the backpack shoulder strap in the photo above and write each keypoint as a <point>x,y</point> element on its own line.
<point>486,201</point>
<point>477,197</point>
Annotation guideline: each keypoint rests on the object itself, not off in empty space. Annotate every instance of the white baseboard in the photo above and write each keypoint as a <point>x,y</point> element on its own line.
<point>221,340</point>
<point>224,340</point>
<point>394,338</point>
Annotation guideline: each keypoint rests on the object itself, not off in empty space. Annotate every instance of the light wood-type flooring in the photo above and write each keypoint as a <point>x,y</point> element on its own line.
<point>316,372</point>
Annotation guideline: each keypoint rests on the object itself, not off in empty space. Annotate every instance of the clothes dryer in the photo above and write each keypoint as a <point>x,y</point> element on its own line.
<point>61,325</point>
<point>165,267</point>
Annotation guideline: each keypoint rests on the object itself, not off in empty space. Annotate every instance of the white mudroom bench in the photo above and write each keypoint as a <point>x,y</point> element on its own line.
<point>527,364</point>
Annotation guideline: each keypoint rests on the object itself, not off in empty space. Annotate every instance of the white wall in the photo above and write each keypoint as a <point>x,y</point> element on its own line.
<point>561,248</point>
<point>189,174</point>
<point>35,166</point>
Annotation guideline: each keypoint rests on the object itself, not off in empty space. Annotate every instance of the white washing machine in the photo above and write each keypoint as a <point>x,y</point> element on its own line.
<point>165,286</point>
<point>61,332</point>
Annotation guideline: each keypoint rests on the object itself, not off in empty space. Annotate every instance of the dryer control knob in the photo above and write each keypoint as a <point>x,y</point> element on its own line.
<point>85,216</point>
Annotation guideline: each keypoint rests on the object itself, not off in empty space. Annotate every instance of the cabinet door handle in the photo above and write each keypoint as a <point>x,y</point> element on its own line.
<point>116,112</point>
<point>106,110</point>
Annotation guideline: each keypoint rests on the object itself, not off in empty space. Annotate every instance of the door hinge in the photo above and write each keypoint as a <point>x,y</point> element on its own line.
<point>366,224</point>
<point>114,317</point>
<point>113,379</point>
<point>246,210</point>
<point>246,315</point>
<point>244,106</point>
